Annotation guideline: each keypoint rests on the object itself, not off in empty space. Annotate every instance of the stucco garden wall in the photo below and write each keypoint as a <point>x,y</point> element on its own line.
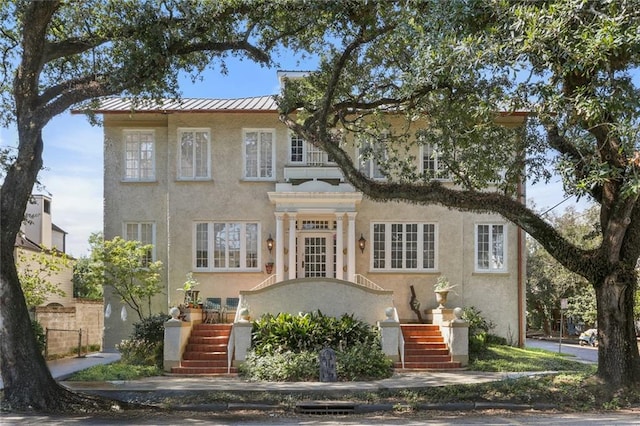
<point>85,315</point>
<point>332,297</point>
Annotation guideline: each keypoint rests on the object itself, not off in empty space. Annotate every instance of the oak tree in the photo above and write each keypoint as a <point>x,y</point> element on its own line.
<point>448,75</point>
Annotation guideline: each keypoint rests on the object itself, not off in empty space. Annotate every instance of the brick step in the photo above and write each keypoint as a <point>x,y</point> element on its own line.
<point>423,339</point>
<point>204,356</point>
<point>204,326</point>
<point>204,363</point>
<point>205,347</point>
<point>209,340</point>
<point>420,327</point>
<point>427,365</point>
<point>424,346</point>
<point>211,371</point>
<point>427,358</point>
<point>439,351</point>
<point>221,334</point>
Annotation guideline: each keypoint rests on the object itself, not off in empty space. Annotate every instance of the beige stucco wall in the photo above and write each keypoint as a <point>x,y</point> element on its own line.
<point>175,205</point>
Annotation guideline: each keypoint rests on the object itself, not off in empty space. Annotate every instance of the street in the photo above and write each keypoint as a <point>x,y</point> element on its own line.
<point>583,353</point>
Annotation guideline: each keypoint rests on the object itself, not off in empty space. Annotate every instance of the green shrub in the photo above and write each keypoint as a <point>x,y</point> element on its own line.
<point>286,348</point>
<point>39,333</point>
<point>146,345</point>
<point>479,331</point>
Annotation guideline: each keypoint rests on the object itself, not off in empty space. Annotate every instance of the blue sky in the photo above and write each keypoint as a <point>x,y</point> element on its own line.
<point>73,152</point>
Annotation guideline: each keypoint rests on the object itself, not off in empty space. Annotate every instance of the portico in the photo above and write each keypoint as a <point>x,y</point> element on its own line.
<point>315,230</point>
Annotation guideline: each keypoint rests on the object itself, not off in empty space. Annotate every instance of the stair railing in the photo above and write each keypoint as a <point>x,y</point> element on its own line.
<point>363,281</point>
<point>266,283</point>
<point>230,348</point>
<point>400,337</point>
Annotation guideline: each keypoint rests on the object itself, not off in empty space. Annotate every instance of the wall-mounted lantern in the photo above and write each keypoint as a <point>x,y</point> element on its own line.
<point>270,243</point>
<point>362,243</point>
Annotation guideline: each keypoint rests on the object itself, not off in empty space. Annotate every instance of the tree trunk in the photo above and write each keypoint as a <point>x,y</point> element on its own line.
<point>618,359</point>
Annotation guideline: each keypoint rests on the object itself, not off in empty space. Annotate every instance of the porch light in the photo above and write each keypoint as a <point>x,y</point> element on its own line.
<point>362,243</point>
<point>270,243</point>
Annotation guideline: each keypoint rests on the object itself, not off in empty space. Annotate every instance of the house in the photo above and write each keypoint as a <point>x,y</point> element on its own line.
<point>224,190</point>
<point>67,320</point>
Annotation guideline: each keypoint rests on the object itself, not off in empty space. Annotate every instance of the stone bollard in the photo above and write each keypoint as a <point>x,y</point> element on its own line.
<point>176,334</point>
<point>456,335</point>
<point>328,371</point>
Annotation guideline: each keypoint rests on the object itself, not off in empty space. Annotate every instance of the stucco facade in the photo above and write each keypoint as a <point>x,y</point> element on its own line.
<point>314,218</point>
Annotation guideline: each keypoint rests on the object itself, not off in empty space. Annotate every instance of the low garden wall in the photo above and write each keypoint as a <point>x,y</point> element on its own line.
<point>65,321</point>
<point>330,296</point>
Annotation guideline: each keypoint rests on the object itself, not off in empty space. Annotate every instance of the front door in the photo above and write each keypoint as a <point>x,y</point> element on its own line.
<point>315,255</point>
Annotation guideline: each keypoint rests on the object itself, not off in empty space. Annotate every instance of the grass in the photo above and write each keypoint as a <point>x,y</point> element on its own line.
<point>573,385</point>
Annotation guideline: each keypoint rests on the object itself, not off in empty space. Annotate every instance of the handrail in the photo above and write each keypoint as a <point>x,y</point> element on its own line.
<point>363,281</point>
<point>230,347</point>
<point>400,337</point>
<point>266,283</point>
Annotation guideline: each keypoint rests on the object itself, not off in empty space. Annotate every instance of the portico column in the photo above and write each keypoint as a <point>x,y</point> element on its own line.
<point>351,247</point>
<point>292,246</point>
<point>339,247</point>
<point>279,247</point>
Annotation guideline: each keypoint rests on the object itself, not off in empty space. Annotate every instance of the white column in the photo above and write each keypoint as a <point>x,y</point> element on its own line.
<point>339,247</point>
<point>279,247</point>
<point>351,247</point>
<point>292,246</point>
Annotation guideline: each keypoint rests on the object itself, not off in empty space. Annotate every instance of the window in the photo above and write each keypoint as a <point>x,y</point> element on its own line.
<point>303,152</point>
<point>404,246</point>
<point>369,156</point>
<point>432,163</point>
<point>259,154</point>
<point>143,232</point>
<point>194,159</point>
<point>139,155</point>
<point>221,246</point>
<point>490,248</point>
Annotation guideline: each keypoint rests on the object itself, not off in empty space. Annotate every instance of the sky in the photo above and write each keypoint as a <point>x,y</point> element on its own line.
<point>73,154</point>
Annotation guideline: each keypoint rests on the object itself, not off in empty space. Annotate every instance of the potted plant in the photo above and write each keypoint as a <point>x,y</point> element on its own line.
<point>442,287</point>
<point>190,295</point>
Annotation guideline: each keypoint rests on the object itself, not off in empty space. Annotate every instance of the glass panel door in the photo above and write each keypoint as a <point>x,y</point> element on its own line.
<point>316,255</point>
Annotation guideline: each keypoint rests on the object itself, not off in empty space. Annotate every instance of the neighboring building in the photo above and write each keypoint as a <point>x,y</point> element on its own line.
<point>39,235</point>
<point>210,181</point>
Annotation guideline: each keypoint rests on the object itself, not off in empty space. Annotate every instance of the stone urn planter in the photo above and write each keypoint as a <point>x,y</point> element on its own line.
<point>442,288</point>
<point>441,298</point>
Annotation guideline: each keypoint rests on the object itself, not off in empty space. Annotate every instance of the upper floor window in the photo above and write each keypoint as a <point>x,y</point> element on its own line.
<point>491,248</point>
<point>404,246</point>
<point>194,160</point>
<point>226,246</point>
<point>139,155</point>
<point>370,154</point>
<point>259,154</point>
<point>305,153</point>
<point>145,233</point>
<point>432,163</point>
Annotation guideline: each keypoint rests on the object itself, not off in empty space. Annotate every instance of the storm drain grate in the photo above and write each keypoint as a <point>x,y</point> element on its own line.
<point>325,407</point>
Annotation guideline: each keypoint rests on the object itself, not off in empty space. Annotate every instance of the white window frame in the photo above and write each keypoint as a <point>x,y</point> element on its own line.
<point>439,172</point>
<point>194,172</point>
<point>493,265</point>
<point>387,249</point>
<point>209,227</point>
<point>131,174</point>
<point>311,156</point>
<point>369,166</point>
<point>260,158</point>
<point>138,232</point>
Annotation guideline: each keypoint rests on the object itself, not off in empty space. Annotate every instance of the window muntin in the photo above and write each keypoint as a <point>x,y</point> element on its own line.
<point>221,246</point>
<point>368,153</point>
<point>144,232</point>
<point>259,154</point>
<point>139,161</point>
<point>491,248</point>
<point>432,162</point>
<point>404,246</point>
<point>194,161</point>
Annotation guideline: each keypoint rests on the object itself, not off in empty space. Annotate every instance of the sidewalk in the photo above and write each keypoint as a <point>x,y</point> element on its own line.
<point>63,368</point>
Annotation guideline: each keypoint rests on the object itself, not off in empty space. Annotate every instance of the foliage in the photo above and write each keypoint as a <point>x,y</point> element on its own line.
<point>548,281</point>
<point>286,347</point>
<point>309,332</point>
<point>456,78</point>
<point>146,344</point>
<point>41,336</point>
<point>85,283</point>
<point>442,284</point>
<point>479,331</point>
<point>125,266</point>
<point>35,274</point>
<point>115,371</point>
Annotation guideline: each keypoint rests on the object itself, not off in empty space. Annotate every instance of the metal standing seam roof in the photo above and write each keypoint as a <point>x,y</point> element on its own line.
<point>124,105</point>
